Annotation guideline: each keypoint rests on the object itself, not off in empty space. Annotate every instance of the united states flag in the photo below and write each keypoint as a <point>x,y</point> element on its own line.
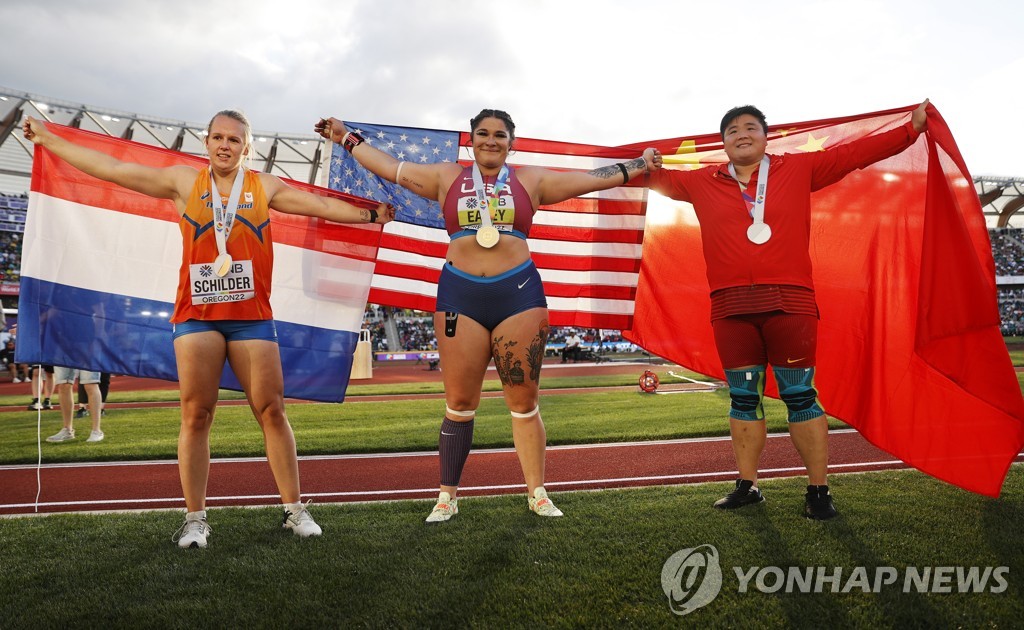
<point>587,249</point>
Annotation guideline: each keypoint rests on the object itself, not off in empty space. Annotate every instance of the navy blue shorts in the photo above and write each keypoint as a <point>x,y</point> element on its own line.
<point>231,329</point>
<point>490,301</point>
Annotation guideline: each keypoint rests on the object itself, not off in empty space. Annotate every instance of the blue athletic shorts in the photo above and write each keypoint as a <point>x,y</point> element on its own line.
<point>490,301</point>
<point>231,329</point>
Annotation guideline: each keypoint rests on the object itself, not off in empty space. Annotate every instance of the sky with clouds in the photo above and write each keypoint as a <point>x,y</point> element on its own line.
<point>593,71</point>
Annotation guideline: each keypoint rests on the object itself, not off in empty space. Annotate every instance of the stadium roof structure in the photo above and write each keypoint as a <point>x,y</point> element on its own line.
<point>298,157</point>
<point>1002,197</point>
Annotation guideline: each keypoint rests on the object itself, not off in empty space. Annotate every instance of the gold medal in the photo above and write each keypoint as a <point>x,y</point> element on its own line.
<point>487,236</point>
<point>222,265</point>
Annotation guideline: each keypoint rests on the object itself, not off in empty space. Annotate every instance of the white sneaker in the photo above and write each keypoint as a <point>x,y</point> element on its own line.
<point>444,510</point>
<point>299,521</point>
<point>193,532</point>
<point>542,505</point>
<point>95,436</point>
<point>16,380</point>
<point>63,435</point>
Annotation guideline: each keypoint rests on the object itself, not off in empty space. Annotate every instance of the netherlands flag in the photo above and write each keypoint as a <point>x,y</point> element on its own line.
<point>100,265</point>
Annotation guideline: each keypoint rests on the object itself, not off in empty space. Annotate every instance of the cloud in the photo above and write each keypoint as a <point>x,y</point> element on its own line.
<point>599,71</point>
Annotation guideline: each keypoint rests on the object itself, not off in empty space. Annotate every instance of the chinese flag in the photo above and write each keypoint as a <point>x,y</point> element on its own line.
<point>909,349</point>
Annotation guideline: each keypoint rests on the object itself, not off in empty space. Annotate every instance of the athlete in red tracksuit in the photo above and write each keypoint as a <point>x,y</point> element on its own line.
<point>763,309</point>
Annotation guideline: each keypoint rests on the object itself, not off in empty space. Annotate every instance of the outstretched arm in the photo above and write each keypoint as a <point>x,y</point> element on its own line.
<point>426,180</point>
<point>555,186</point>
<point>919,119</point>
<point>164,183</point>
<point>284,198</point>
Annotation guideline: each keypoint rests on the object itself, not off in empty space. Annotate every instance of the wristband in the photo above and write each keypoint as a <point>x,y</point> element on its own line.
<point>625,173</point>
<point>398,173</point>
<point>373,216</point>
<point>351,141</point>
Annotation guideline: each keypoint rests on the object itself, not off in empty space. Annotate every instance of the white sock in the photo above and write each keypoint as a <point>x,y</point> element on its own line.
<point>293,508</point>
<point>196,516</point>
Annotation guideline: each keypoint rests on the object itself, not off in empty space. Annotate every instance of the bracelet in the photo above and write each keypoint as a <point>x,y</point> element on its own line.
<point>647,167</point>
<point>625,173</point>
<point>373,215</point>
<point>351,141</point>
<point>398,173</point>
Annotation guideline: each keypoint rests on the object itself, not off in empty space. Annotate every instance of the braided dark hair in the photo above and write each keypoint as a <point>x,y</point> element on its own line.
<point>493,113</point>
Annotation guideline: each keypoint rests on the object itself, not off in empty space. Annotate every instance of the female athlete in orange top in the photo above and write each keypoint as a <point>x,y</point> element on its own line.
<point>209,330</point>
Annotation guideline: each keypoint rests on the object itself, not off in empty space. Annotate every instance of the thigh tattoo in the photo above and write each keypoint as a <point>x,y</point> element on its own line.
<point>510,368</point>
<point>535,353</point>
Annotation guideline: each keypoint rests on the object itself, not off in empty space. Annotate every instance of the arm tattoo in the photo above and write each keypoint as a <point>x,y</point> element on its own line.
<point>606,172</point>
<point>638,164</point>
<point>364,214</point>
<point>408,183</point>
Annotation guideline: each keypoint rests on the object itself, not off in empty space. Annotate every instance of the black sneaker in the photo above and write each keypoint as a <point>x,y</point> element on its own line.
<point>81,413</point>
<point>46,404</point>
<point>818,504</point>
<point>744,494</point>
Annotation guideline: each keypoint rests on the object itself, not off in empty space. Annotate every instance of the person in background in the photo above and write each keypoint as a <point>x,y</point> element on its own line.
<point>572,347</point>
<point>42,387</point>
<point>65,379</point>
<point>83,396</point>
<point>18,371</point>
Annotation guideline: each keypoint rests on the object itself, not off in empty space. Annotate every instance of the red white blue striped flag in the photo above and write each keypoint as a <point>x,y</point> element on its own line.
<point>100,268</point>
<point>587,249</point>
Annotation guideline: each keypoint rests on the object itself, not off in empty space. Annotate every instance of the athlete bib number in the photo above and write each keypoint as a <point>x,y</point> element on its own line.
<point>209,288</point>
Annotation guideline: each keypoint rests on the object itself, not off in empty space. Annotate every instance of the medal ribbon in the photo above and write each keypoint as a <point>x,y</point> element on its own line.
<point>224,216</point>
<point>756,208</point>
<point>487,204</point>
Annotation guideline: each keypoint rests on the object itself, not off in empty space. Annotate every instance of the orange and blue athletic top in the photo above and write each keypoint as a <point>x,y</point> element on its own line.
<point>514,214</point>
<point>244,292</point>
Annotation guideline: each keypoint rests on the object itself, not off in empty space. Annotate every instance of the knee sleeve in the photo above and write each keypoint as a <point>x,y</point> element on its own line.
<point>452,413</point>
<point>796,389</point>
<point>746,388</point>
<point>528,414</point>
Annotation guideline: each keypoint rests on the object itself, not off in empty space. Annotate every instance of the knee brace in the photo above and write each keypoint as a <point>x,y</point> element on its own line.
<point>796,389</point>
<point>746,388</point>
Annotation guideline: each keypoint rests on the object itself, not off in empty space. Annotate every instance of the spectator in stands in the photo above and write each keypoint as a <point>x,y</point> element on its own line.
<point>241,332</point>
<point>490,299</point>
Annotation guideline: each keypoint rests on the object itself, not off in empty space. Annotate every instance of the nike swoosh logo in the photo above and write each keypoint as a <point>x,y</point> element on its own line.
<point>524,283</point>
<point>794,360</point>
<point>443,433</point>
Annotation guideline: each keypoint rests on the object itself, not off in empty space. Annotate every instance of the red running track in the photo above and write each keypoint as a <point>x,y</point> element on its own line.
<point>340,478</point>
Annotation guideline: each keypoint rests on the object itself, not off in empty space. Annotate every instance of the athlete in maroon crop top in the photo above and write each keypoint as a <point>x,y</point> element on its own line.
<point>461,215</point>
<point>483,280</point>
